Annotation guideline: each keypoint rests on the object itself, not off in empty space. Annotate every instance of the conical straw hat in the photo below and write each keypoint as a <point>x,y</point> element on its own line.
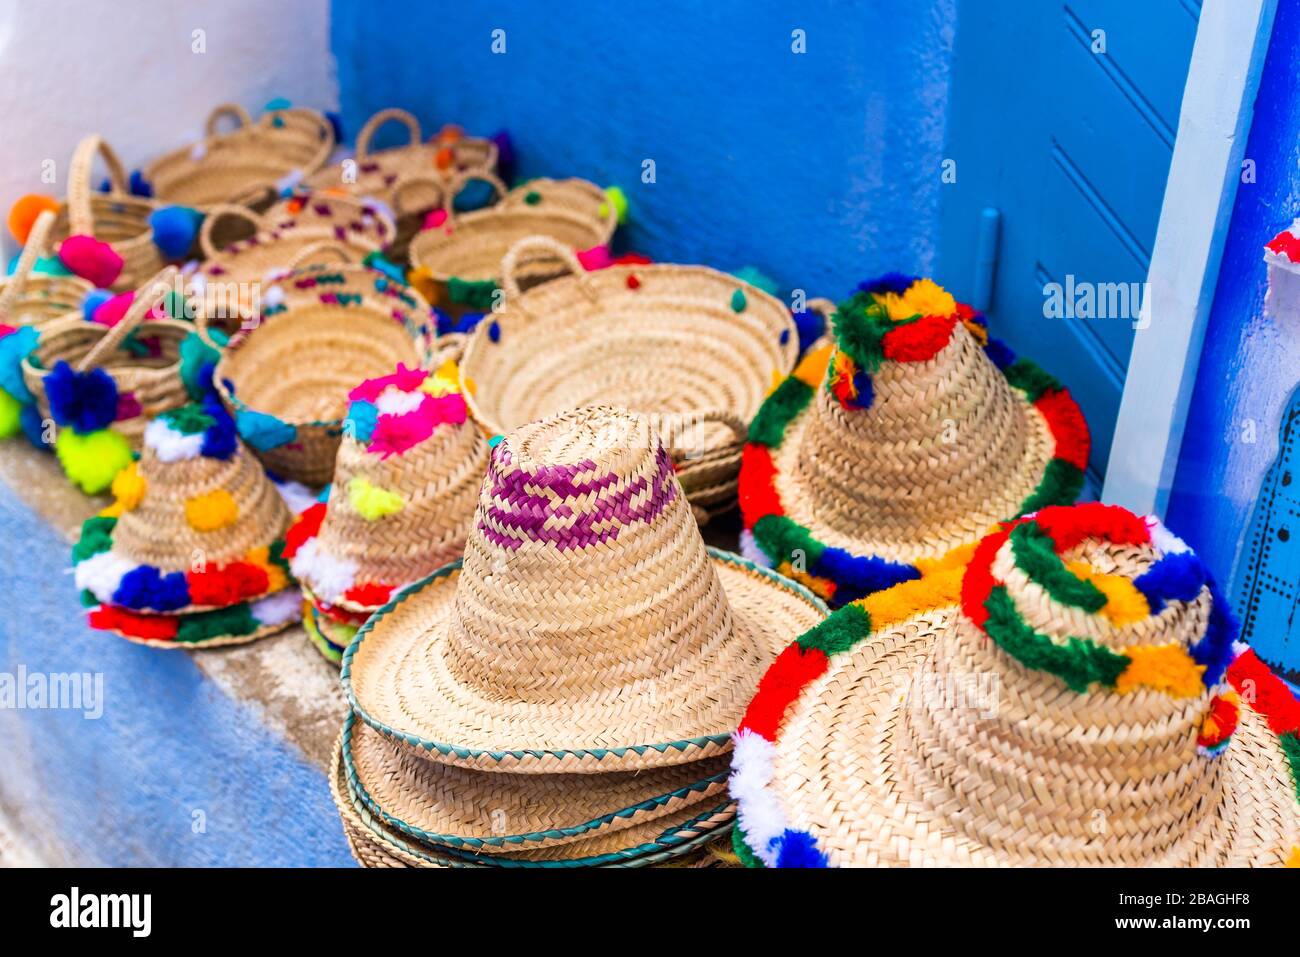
<point>681,836</point>
<point>406,482</point>
<point>911,434</point>
<point>589,629</point>
<point>492,813</point>
<point>232,625</point>
<point>196,524</point>
<point>1070,703</point>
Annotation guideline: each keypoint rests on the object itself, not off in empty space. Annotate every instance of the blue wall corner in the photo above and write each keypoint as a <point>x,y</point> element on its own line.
<point>123,789</point>
<point>818,168</point>
<point>1249,367</point>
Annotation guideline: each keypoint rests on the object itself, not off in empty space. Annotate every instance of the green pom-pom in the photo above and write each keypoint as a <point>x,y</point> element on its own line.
<point>91,461</point>
<point>222,623</point>
<point>96,537</point>
<point>616,196</point>
<point>738,301</point>
<point>10,415</point>
<point>1030,379</point>
<point>1061,484</point>
<point>188,419</point>
<point>783,540</point>
<point>195,354</point>
<point>860,326</point>
<point>532,197</point>
<point>477,294</point>
<point>840,632</point>
<point>778,411</point>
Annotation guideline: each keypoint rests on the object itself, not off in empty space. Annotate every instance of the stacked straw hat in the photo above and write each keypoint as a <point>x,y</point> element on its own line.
<point>190,552</point>
<point>909,434</point>
<point>565,696</point>
<point>406,483</point>
<point>1074,698</point>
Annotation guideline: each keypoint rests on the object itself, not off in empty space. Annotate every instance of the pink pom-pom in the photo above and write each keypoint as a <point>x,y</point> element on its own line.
<point>435,219</point>
<point>111,310</point>
<point>92,260</point>
<point>597,257</point>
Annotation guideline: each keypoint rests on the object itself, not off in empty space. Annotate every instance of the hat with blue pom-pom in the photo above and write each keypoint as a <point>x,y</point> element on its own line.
<point>196,526</point>
<point>909,433</point>
<point>1066,693</point>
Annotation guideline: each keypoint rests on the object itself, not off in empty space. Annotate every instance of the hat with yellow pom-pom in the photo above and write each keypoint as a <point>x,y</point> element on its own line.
<point>191,549</point>
<point>405,487</point>
<point>1074,697</point>
<point>908,434</point>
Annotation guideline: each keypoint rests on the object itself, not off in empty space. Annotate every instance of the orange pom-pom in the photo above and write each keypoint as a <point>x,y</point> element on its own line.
<point>449,134</point>
<point>444,158</point>
<point>23,213</point>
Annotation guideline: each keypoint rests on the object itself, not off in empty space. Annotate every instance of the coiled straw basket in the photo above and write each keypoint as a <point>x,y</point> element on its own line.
<point>466,251</point>
<point>286,379</point>
<point>695,349</point>
<point>154,380</point>
<point>32,300</point>
<point>115,217</point>
<point>247,165</point>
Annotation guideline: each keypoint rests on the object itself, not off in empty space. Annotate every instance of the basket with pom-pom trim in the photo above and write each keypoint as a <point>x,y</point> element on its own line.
<point>90,379</point>
<point>105,237</point>
<point>321,329</point>
<point>695,348</point>
<point>29,298</point>
<point>249,165</point>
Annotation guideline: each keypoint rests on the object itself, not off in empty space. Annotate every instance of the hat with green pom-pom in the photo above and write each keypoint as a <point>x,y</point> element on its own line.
<point>910,433</point>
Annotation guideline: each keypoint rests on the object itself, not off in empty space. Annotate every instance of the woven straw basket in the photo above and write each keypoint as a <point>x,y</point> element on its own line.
<point>27,299</point>
<point>694,348</point>
<point>470,247</point>
<point>155,380</point>
<point>246,165</point>
<point>334,326</point>
<point>576,195</point>
<point>115,217</point>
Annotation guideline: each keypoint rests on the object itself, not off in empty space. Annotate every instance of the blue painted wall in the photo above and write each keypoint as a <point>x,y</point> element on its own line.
<point>817,168</point>
<point>1249,366</point>
<point>122,790</point>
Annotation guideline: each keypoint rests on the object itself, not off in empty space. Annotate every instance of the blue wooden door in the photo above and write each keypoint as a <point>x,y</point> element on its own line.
<point>1062,119</point>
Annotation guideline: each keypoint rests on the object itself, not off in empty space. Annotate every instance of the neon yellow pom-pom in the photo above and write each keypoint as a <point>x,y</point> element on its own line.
<point>615,195</point>
<point>444,381</point>
<point>93,460</point>
<point>211,510</point>
<point>10,423</point>
<point>372,502</point>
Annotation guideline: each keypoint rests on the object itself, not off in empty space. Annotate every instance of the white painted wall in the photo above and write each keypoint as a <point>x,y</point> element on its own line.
<point>126,69</point>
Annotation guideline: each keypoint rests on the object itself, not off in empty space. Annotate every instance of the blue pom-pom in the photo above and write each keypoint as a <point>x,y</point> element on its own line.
<point>857,576</point>
<point>324,495</point>
<point>363,417</point>
<point>147,587</point>
<point>442,322</point>
<point>799,849</point>
<point>378,261</point>
<point>469,322</point>
<point>1175,577</point>
<point>83,401</point>
<point>139,186</point>
<point>219,441</point>
<point>33,426</point>
<point>174,230</point>
<point>494,331</point>
<point>262,431</point>
<point>895,282</point>
<point>92,301</point>
<point>810,325</point>
<point>277,103</point>
<point>866,391</point>
<point>476,194</point>
<point>1214,650</point>
<point>1000,353</point>
<point>14,348</point>
<point>505,155</point>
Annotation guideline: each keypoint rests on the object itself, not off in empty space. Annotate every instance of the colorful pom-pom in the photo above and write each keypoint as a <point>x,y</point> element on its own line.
<point>25,211</point>
<point>738,301</point>
<point>111,310</point>
<point>91,259</point>
<point>10,415</point>
<point>263,431</point>
<point>14,348</point>
<point>83,401</point>
<point>211,511</point>
<point>91,302</point>
<point>128,488</point>
<point>92,460</point>
<point>616,197</point>
<point>372,502</point>
<point>174,230</point>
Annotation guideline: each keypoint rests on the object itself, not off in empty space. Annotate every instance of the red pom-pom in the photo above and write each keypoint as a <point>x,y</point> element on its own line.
<point>633,282</point>
<point>227,584</point>
<point>757,492</point>
<point>305,527</point>
<point>918,341</point>
<point>1067,425</point>
<point>147,627</point>
<point>371,594</point>
<point>793,669</point>
<point>1068,525</point>
<point>977,582</point>
<point>1265,692</point>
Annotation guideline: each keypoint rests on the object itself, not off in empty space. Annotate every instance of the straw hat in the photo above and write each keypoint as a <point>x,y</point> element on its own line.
<point>910,434</point>
<point>589,628</point>
<point>196,524</point>
<point>1068,701</point>
<point>232,625</point>
<point>406,482</point>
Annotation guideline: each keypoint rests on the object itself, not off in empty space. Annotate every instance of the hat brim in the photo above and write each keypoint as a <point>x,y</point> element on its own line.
<point>376,844</point>
<point>843,568</point>
<point>397,681</point>
<point>855,811</point>
<point>319,634</point>
<point>242,625</point>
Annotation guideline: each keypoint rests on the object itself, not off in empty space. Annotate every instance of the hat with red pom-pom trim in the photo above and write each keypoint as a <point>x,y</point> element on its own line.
<point>1073,697</point>
<point>909,434</point>
<point>196,525</point>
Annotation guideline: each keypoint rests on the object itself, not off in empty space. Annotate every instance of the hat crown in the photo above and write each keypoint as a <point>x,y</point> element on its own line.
<point>584,561</point>
<point>1099,640</point>
<point>205,499</point>
<point>916,429</point>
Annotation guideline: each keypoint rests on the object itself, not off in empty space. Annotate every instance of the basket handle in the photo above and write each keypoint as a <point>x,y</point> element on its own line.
<point>676,421</point>
<point>81,216</point>
<point>511,260</point>
<point>37,242</point>
<point>430,181</point>
<point>216,213</point>
<point>458,182</point>
<point>448,346</point>
<point>326,247</point>
<point>379,119</point>
<point>146,297</point>
<point>220,112</point>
